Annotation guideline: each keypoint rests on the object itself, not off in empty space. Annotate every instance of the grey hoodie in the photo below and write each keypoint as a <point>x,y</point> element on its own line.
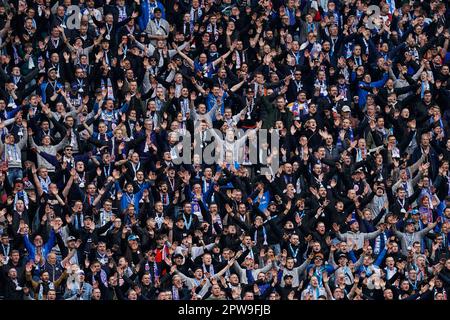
<point>13,153</point>
<point>52,150</point>
<point>408,239</point>
<point>358,237</point>
<point>295,273</point>
<point>242,273</point>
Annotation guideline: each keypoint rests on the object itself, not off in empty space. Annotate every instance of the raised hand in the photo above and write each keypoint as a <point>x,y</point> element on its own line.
<point>336,227</point>
<point>29,266</point>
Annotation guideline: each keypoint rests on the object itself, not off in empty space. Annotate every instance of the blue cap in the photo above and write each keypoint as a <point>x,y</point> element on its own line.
<point>414,211</point>
<point>352,221</point>
<point>133,237</point>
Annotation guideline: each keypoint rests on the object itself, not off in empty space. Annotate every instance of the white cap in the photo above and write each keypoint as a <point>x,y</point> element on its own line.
<point>346,109</point>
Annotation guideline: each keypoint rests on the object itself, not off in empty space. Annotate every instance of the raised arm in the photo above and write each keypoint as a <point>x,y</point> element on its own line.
<point>304,265</point>
<point>372,235</point>
<point>39,190</point>
<point>184,56</point>
<point>237,86</point>
<point>430,226</point>
<point>224,56</point>
<point>414,167</point>
<point>149,50</point>
<point>198,87</point>
<point>266,268</point>
<point>241,113</point>
<point>174,52</point>
<point>239,270</point>
<point>331,260</point>
<point>221,272</point>
<point>339,235</point>
<point>51,241</point>
<point>23,142</point>
<point>62,143</point>
<point>69,184</point>
<point>360,260</point>
<point>396,232</point>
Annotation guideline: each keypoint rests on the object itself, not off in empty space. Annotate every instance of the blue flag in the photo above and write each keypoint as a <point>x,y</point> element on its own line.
<point>264,202</point>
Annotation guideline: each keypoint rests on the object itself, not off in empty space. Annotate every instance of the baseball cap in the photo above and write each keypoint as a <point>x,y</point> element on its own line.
<point>342,255</point>
<point>346,109</point>
<point>28,185</point>
<point>71,238</point>
<point>133,237</point>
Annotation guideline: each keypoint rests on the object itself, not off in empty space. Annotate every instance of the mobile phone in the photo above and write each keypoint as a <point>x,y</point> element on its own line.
<point>335,241</point>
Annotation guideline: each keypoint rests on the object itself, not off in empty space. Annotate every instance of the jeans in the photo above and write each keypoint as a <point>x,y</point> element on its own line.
<point>13,174</point>
<point>276,248</point>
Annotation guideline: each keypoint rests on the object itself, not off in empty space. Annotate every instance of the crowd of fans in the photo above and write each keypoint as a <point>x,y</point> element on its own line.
<point>96,94</point>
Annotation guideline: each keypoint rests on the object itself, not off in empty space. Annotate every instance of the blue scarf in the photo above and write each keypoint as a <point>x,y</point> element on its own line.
<point>250,278</point>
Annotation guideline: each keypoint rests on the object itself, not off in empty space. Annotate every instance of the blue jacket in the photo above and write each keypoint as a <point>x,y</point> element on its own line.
<point>362,92</point>
<point>43,87</point>
<point>211,100</point>
<point>145,16</point>
<point>126,199</point>
<point>72,294</point>
<point>377,262</point>
<point>46,248</point>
